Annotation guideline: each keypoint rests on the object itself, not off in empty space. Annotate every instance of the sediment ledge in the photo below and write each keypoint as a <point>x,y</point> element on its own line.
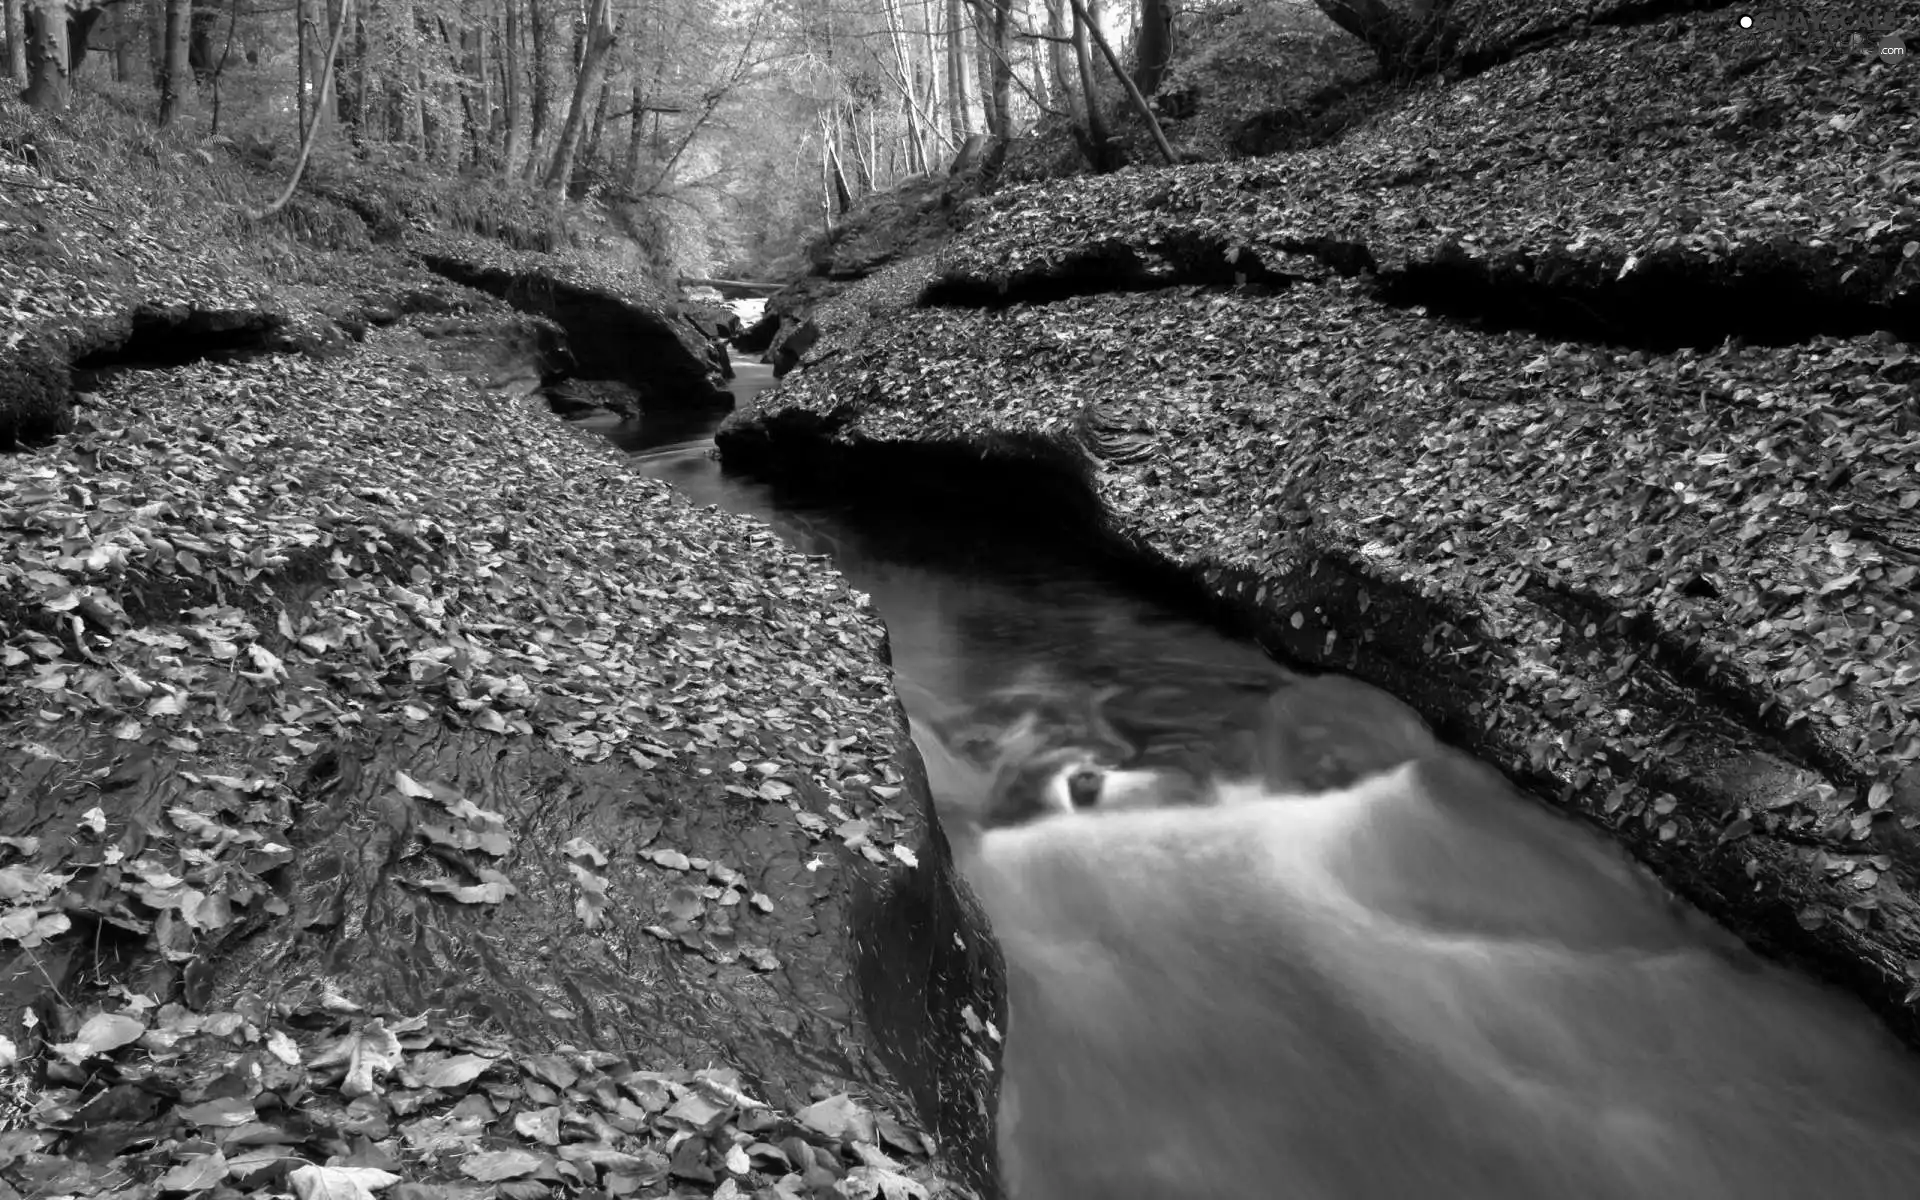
<point>616,329</point>
<point>1661,185</point>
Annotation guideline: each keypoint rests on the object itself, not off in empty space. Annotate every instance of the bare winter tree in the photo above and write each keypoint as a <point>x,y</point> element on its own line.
<point>593,65</point>
<point>16,33</point>
<point>176,72</point>
<point>1153,50</point>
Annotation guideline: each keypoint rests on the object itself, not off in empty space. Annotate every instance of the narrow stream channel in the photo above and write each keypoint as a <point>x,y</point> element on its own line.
<point>1673,1039</point>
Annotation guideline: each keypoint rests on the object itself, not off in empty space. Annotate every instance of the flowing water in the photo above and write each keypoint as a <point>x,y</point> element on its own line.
<point>1413,983</point>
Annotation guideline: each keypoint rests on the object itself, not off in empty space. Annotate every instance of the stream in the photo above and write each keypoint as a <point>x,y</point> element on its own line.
<point>1694,1059</point>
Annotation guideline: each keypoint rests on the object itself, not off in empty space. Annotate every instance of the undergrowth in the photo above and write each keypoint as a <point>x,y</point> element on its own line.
<point>198,190</point>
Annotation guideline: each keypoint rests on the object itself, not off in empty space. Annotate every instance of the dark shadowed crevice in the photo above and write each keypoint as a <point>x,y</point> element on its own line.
<point>1766,298</point>
<point>1026,488</point>
<point>42,374</point>
<point>1775,295</point>
<point>1711,690</point>
<point>608,337</point>
<point>1113,267</point>
<point>924,963</point>
<point>174,338</point>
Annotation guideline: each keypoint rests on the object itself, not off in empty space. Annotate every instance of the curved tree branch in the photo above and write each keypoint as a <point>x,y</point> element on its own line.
<point>313,126</point>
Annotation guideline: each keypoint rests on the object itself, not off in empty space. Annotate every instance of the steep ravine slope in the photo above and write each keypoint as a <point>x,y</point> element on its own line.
<point>1573,404</point>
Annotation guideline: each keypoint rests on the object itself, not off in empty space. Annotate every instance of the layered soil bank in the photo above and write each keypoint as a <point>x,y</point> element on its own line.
<point>1660,576</point>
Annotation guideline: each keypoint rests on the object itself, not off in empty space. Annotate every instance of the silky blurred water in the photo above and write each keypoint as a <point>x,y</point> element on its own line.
<point>1466,940</point>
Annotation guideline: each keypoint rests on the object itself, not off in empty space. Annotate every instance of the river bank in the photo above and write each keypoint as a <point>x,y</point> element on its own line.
<point>403,790</point>
<point>1476,432</point>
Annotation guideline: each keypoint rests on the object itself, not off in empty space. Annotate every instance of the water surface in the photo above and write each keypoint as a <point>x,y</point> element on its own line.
<point>1517,980</point>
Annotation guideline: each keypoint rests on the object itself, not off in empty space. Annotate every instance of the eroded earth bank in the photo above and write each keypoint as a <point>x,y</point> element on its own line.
<point>401,791</point>
<point>401,782</point>
<point>1599,448</point>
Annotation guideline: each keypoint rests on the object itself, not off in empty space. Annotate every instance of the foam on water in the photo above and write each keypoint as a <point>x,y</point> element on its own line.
<point>1423,985</point>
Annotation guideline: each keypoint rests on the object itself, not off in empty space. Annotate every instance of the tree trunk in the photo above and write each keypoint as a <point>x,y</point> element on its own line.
<point>842,198</point>
<point>466,147</point>
<point>903,58</point>
<point>1061,49</point>
<point>80,36</point>
<point>403,100</point>
<point>1003,67</point>
<point>434,138</point>
<point>510,88</point>
<point>176,75</point>
<point>220,66</point>
<point>959,110</point>
<point>126,41</point>
<point>203,27</point>
<point>983,66</point>
<point>49,57</point>
<point>595,128</point>
<point>1098,139</point>
<point>350,80</point>
<point>1403,43</point>
<point>317,25</point>
<point>299,62</point>
<point>16,31</point>
<point>637,135</point>
<point>935,69</point>
<point>1153,50</point>
<point>1140,105</point>
<point>993,35</point>
<point>540,31</point>
<point>481,89</point>
<point>307,136</point>
<point>593,65</point>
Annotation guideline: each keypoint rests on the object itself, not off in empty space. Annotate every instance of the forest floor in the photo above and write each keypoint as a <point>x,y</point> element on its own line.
<point>357,712</point>
<point>1573,402</point>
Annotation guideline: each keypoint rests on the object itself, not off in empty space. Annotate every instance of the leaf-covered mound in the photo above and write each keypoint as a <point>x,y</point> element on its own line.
<point>348,679</point>
<point>1671,590</point>
<point>1641,160</point>
<point>324,1100</point>
<point>619,326</point>
<point>119,242</point>
<point>329,680</point>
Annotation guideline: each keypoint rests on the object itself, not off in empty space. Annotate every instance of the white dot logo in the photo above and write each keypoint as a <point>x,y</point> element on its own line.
<point>1746,22</point>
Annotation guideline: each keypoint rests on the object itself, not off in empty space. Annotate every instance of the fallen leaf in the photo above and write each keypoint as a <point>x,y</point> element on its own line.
<point>101,1034</point>
<point>878,1183</point>
<point>371,1052</point>
<point>313,1182</point>
<point>283,1048</point>
<point>493,888</point>
<point>701,1112</point>
<point>492,1166</point>
<point>458,1071</point>
<point>227,1112</point>
<point>195,1174</point>
<point>541,1125</point>
<point>837,1117</point>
